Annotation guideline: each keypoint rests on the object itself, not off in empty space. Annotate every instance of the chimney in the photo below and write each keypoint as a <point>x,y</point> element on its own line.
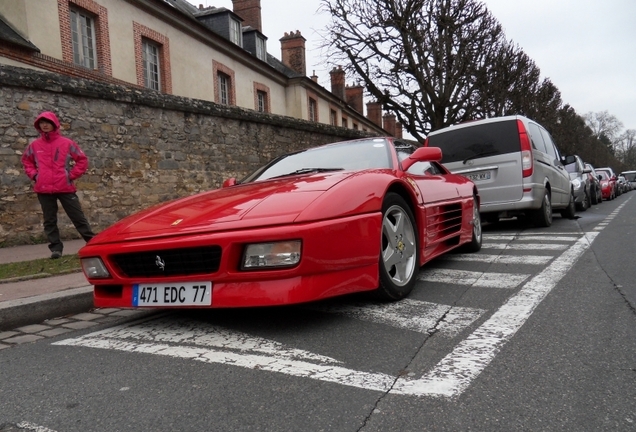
<point>389,123</point>
<point>314,77</point>
<point>398,130</point>
<point>354,95</point>
<point>292,47</point>
<point>250,11</point>
<point>338,82</point>
<point>374,112</point>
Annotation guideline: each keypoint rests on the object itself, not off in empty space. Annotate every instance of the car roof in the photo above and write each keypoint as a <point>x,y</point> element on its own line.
<point>470,123</point>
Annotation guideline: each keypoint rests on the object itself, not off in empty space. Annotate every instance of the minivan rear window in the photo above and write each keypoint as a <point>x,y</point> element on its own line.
<point>485,140</point>
<point>630,176</point>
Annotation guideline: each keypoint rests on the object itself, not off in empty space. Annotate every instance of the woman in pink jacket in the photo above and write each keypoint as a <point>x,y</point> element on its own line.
<point>53,162</point>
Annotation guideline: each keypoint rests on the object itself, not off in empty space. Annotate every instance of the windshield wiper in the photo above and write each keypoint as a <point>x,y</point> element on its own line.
<point>309,170</point>
<point>488,153</point>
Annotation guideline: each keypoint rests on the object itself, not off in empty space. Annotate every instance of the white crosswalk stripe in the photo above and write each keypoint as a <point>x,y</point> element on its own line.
<point>407,314</point>
<point>476,279</point>
<point>499,259</point>
<point>572,238</point>
<point>525,246</point>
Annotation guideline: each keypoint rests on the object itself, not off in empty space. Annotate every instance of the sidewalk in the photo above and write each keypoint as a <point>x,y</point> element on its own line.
<point>35,300</point>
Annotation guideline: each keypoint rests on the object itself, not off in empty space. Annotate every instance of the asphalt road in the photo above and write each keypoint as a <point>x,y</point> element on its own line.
<point>535,332</point>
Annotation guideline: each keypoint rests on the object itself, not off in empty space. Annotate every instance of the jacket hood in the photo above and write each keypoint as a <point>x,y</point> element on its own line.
<point>47,115</point>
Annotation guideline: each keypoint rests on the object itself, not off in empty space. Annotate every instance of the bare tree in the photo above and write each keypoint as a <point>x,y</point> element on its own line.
<point>626,148</point>
<point>605,126</point>
<point>427,61</point>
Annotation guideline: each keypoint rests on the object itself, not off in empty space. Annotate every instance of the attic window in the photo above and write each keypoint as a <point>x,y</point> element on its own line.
<point>261,50</point>
<point>235,32</point>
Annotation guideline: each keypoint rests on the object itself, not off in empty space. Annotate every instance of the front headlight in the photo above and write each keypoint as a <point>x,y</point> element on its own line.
<point>576,183</point>
<point>271,255</point>
<point>94,268</point>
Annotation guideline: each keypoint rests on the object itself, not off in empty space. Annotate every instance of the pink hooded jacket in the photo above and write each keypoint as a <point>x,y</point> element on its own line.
<point>50,159</point>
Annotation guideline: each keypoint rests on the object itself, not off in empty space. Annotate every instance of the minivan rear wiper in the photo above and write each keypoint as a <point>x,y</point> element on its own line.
<point>476,155</point>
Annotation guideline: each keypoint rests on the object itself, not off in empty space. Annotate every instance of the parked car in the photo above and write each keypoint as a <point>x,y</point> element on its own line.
<point>596,194</point>
<point>580,181</point>
<point>622,184</point>
<point>353,216</point>
<point>630,176</point>
<point>514,163</point>
<point>608,186</point>
<point>612,178</point>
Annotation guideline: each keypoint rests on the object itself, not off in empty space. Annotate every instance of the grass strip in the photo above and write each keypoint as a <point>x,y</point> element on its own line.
<point>43,266</point>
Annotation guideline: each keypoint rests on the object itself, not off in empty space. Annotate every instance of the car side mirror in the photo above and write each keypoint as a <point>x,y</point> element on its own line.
<point>422,154</point>
<point>229,182</point>
<point>568,160</point>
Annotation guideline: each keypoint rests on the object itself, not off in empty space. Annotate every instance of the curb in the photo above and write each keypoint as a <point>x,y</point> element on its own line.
<point>33,310</point>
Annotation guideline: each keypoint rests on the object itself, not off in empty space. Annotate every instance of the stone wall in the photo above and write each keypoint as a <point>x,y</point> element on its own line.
<point>143,147</point>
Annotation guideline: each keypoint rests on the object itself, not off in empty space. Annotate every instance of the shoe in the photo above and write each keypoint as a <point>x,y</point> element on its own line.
<point>56,255</point>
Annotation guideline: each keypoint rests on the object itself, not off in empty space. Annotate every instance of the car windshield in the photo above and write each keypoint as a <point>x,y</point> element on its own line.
<point>603,174</point>
<point>630,176</point>
<point>372,153</point>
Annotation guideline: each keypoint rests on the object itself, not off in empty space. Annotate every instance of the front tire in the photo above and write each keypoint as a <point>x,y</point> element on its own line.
<point>475,243</point>
<point>570,211</point>
<point>586,201</point>
<point>543,216</point>
<point>400,249</point>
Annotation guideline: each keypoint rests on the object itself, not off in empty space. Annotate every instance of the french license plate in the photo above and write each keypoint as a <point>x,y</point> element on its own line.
<point>479,176</point>
<point>172,294</point>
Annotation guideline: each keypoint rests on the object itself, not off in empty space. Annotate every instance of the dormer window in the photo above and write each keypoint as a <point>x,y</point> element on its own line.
<point>235,32</point>
<point>261,49</point>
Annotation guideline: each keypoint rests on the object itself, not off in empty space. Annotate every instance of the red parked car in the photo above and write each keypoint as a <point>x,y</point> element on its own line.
<point>353,216</point>
<point>608,183</point>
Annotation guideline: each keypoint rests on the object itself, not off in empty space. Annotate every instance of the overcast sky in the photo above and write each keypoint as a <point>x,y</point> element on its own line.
<point>587,48</point>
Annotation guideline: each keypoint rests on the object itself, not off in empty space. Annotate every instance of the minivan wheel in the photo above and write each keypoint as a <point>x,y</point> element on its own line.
<point>543,216</point>
<point>570,211</point>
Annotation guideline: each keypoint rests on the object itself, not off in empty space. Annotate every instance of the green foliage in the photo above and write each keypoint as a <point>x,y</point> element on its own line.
<point>41,267</point>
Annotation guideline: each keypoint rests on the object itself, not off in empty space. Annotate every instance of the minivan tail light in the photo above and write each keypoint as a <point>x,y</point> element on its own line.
<point>527,163</point>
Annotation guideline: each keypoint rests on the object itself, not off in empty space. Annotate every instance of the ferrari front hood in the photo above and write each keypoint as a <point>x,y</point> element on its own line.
<point>242,206</point>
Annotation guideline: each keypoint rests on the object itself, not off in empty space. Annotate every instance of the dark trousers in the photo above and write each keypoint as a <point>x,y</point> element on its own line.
<point>71,205</point>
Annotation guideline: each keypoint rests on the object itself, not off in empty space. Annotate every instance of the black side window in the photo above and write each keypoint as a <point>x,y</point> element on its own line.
<point>537,138</point>
<point>549,144</point>
<point>476,141</point>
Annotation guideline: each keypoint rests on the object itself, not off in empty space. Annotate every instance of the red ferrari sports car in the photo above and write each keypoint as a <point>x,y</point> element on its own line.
<point>360,215</point>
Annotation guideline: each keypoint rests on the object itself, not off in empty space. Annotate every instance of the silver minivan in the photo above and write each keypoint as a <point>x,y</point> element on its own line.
<point>515,165</point>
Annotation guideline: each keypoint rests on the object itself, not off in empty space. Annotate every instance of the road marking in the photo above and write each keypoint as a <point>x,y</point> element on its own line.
<point>192,333</point>
<point>449,378</point>
<point>571,238</point>
<point>525,246</point>
<point>32,427</point>
<point>408,314</point>
<point>454,373</point>
<point>476,279</point>
<point>191,340</point>
<point>499,259</point>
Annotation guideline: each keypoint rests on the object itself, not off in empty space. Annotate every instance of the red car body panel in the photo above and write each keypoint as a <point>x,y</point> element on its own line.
<point>608,183</point>
<point>337,216</point>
